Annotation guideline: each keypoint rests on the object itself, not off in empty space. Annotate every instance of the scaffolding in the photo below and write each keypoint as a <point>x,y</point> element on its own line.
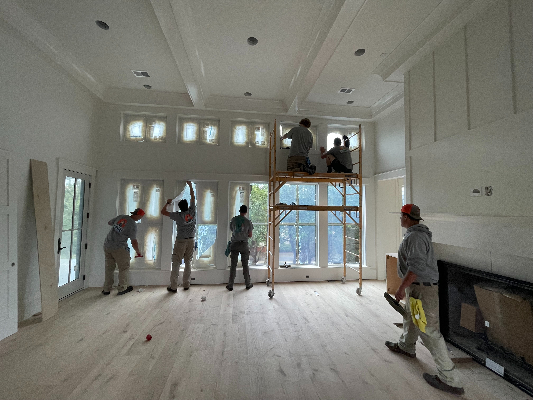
<point>277,212</point>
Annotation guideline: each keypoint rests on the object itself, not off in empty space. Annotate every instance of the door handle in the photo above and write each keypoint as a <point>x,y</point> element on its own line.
<point>59,248</point>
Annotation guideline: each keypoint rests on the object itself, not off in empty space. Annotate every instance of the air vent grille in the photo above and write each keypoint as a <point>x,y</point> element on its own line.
<point>346,90</point>
<point>141,74</point>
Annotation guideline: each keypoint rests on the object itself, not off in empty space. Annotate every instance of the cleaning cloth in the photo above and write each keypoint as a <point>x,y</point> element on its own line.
<point>417,313</point>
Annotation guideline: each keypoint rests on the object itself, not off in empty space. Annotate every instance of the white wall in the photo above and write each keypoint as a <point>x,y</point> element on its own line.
<point>45,115</point>
<point>390,141</point>
<point>174,161</point>
<point>469,108</point>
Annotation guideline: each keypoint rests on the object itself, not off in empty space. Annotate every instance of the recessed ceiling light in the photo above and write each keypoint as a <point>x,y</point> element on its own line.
<point>247,94</point>
<point>359,52</point>
<point>147,86</point>
<point>140,74</point>
<point>349,102</point>
<point>252,41</point>
<point>102,24</point>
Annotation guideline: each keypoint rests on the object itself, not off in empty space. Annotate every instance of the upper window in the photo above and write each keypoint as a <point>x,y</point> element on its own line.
<point>287,126</point>
<point>249,134</point>
<point>338,132</point>
<point>198,130</point>
<point>144,128</point>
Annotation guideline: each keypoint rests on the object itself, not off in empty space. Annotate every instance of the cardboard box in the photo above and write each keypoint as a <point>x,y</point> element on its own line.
<point>471,318</point>
<point>393,280</point>
<point>508,319</point>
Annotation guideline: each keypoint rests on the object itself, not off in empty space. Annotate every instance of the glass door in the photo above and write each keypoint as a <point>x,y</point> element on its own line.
<point>71,244</point>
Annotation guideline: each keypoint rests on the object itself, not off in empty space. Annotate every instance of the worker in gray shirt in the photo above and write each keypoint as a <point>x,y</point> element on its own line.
<point>338,158</point>
<point>301,142</point>
<point>241,228</point>
<point>417,266</point>
<point>184,244</point>
<point>117,252</point>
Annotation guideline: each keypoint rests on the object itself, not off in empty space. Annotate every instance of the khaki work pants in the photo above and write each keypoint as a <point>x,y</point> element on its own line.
<point>432,339</point>
<point>183,250</point>
<point>244,250</point>
<point>116,258</point>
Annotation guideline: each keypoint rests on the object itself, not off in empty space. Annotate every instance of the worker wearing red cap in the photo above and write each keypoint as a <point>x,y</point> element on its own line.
<point>417,266</point>
<point>117,252</point>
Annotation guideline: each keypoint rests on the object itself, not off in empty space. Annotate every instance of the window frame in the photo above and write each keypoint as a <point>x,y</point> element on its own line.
<point>147,121</point>
<point>201,124</point>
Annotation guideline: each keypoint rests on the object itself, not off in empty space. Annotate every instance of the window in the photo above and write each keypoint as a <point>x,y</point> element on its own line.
<point>287,126</point>
<point>198,130</point>
<point>297,232</point>
<point>338,132</point>
<point>145,194</point>
<point>255,196</point>
<point>335,228</point>
<point>143,128</point>
<point>206,220</point>
<point>249,134</point>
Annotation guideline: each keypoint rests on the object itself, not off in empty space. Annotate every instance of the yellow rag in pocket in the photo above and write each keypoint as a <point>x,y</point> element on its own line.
<point>417,313</point>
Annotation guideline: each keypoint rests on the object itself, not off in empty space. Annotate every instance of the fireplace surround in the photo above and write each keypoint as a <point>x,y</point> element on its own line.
<point>490,317</point>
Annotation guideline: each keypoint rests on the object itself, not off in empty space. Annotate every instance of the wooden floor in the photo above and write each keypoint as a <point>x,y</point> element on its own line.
<point>313,340</point>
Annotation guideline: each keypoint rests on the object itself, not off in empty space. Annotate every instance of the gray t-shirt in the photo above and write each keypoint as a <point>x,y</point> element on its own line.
<point>185,222</point>
<point>302,141</point>
<point>123,228</point>
<point>342,154</point>
<point>240,226</point>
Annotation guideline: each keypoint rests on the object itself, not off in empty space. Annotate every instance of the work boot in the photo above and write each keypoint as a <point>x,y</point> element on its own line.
<point>435,381</point>
<point>394,347</point>
<point>127,290</point>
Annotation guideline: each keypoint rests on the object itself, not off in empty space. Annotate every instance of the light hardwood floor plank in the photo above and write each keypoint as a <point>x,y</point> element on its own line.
<point>312,341</point>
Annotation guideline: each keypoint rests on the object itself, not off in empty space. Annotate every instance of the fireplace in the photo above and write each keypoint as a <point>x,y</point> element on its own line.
<point>490,317</point>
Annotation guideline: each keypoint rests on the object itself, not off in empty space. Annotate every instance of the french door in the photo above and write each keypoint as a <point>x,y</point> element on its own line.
<point>71,222</point>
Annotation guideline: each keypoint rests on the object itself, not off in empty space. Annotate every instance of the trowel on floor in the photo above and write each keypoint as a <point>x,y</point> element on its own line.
<point>396,305</point>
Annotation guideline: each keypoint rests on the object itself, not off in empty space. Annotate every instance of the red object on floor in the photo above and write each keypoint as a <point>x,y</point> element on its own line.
<point>148,337</point>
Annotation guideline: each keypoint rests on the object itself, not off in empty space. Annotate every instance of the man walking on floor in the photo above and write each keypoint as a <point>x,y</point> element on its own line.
<point>117,252</point>
<point>184,244</point>
<point>241,228</point>
<point>417,266</point>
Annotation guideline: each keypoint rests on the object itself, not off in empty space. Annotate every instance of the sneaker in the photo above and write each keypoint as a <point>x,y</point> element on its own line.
<point>172,290</point>
<point>435,381</point>
<point>230,288</point>
<point>394,347</point>
<point>127,290</point>
<point>186,288</point>
<point>105,293</point>
<point>248,287</point>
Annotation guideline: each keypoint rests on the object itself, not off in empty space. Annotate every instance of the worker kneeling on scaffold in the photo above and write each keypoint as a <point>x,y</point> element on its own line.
<point>302,141</point>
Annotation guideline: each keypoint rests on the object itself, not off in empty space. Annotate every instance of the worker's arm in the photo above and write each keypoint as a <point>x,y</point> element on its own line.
<point>135,245</point>
<point>323,152</point>
<point>164,211</point>
<point>250,234</point>
<point>193,199</point>
<point>409,278</point>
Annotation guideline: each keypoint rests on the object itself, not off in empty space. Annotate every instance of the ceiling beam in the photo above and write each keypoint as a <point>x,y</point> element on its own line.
<point>175,20</point>
<point>331,26</point>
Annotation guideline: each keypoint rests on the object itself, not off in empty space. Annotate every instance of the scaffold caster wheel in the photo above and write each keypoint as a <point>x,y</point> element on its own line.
<point>343,279</point>
<point>358,291</point>
<point>268,282</point>
<point>270,294</point>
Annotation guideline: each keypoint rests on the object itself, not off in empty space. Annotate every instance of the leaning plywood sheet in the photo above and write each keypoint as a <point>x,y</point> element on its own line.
<point>45,239</point>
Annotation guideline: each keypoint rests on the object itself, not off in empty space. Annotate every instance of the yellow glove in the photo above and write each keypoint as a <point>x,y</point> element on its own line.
<point>417,313</point>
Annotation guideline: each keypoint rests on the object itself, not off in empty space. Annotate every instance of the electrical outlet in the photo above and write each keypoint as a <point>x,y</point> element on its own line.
<point>476,192</point>
<point>307,276</point>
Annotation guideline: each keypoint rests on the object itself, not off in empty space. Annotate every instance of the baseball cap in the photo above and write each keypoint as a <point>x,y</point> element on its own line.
<point>138,211</point>
<point>412,210</point>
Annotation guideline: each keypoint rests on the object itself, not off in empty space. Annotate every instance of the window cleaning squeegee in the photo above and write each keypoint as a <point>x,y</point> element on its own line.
<point>396,305</point>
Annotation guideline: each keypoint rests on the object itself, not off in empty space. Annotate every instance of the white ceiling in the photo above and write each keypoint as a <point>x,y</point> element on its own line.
<point>197,55</point>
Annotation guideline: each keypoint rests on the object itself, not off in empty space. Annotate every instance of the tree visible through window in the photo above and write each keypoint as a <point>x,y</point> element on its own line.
<point>258,214</point>
<point>335,228</point>
<point>297,232</point>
